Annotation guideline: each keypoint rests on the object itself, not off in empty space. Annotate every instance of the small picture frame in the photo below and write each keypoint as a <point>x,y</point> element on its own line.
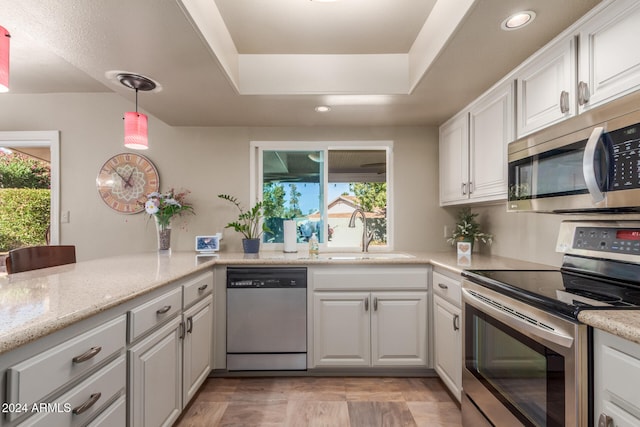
<point>464,253</point>
<point>207,244</point>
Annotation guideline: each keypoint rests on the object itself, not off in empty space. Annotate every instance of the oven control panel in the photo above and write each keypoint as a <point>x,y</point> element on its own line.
<point>614,240</point>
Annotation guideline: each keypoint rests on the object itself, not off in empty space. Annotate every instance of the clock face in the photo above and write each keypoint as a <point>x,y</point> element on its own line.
<point>125,180</point>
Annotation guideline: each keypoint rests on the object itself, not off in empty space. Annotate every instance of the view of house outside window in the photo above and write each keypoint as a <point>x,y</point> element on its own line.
<point>321,198</point>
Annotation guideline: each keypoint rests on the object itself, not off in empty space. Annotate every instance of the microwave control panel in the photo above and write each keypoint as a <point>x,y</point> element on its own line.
<point>626,158</point>
<point>615,240</point>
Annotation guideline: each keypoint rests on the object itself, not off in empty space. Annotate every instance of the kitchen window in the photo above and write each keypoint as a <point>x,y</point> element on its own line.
<point>320,185</point>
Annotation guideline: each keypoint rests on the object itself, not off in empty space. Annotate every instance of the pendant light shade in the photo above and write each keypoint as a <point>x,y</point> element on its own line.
<point>136,124</point>
<point>5,37</point>
<point>135,131</point>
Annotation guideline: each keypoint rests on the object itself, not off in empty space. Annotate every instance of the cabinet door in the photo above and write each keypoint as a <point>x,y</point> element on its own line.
<point>454,160</point>
<point>197,346</point>
<point>609,55</point>
<point>546,93</point>
<point>616,375</point>
<point>341,333</point>
<point>448,344</point>
<point>155,377</point>
<point>399,328</point>
<point>490,131</point>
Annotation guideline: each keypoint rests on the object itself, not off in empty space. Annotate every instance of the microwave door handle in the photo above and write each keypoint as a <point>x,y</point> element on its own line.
<point>588,168</point>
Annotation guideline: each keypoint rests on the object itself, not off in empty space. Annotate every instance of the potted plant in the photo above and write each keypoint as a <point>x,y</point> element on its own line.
<point>248,224</point>
<point>468,230</point>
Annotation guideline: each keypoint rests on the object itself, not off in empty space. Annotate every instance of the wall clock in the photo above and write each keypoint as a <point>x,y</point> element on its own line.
<point>124,181</point>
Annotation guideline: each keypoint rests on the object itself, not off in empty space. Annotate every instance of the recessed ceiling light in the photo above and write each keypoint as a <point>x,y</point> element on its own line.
<point>518,20</point>
<point>323,108</point>
<point>324,1</point>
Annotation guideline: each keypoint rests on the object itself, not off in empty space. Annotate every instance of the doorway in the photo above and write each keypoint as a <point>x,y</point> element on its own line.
<point>41,144</point>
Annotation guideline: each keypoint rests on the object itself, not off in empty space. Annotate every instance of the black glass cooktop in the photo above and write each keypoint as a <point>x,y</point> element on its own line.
<point>559,291</point>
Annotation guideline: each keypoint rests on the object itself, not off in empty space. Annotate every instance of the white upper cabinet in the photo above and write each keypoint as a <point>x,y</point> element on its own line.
<point>609,58</point>
<point>473,149</point>
<point>490,132</point>
<point>545,86</point>
<point>454,160</point>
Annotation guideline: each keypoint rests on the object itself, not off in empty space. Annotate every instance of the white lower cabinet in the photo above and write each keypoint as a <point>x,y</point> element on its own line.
<point>448,344</point>
<point>370,329</point>
<point>167,367</point>
<point>155,380</point>
<point>616,379</point>
<point>197,347</point>
<point>447,333</point>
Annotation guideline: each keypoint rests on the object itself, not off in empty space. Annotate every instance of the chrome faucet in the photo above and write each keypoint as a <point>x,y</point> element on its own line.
<point>367,236</point>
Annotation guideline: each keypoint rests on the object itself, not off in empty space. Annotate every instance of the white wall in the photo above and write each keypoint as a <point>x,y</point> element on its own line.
<point>207,161</point>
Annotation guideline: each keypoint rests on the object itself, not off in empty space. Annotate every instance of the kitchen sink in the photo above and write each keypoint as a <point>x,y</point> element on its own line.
<point>364,255</point>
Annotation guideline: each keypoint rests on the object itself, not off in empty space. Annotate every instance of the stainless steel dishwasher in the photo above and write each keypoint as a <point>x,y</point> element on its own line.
<point>266,318</point>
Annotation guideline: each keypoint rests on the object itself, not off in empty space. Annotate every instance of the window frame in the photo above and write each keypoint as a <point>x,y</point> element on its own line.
<point>256,182</point>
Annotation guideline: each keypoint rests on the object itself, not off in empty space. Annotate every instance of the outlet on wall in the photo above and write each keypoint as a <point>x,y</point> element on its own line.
<point>446,231</point>
<point>64,217</point>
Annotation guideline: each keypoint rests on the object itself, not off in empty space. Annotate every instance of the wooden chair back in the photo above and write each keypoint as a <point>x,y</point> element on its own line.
<point>35,257</point>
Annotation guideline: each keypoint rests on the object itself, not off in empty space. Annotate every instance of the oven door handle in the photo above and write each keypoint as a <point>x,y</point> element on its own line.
<point>588,168</point>
<point>517,323</point>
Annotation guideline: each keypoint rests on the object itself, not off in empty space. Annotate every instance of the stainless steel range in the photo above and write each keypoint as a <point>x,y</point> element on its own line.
<point>526,355</point>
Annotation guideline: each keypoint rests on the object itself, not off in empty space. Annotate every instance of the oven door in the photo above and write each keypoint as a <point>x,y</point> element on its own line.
<point>522,366</point>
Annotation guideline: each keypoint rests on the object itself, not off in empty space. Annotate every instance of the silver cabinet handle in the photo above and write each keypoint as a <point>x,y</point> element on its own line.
<point>605,421</point>
<point>583,93</point>
<point>464,188</point>
<point>564,102</point>
<point>163,310</point>
<point>456,322</point>
<point>442,286</point>
<point>470,187</point>
<point>182,330</point>
<point>366,304</point>
<point>202,288</point>
<point>375,304</point>
<point>87,404</point>
<point>92,352</point>
<point>189,324</point>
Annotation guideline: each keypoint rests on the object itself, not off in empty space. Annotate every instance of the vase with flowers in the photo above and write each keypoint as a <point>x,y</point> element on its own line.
<point>468,230</point>
<point>163,207</point>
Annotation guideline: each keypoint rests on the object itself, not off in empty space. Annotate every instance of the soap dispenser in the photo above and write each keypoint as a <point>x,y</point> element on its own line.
<point>314,247</point>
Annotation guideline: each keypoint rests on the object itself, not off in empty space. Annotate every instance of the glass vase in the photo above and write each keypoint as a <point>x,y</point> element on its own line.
<point>164,234</point>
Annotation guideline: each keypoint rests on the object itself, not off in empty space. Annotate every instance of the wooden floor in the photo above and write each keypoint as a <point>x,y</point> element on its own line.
<point>322,401</point>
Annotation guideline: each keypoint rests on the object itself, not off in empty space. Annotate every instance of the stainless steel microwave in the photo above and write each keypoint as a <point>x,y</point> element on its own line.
<point>587,163</point>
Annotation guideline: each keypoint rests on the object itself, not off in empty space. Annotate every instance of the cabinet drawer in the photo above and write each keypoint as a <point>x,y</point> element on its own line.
<point>447,288</point>
<point>37,377</point>
<point>82,402</point>
<point>197,288</point>
<point>114,415</point>
<point>146,316</point>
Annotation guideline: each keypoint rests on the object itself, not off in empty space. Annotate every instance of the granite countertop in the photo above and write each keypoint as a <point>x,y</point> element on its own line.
<point>36,303</point>
<point>623,323</point>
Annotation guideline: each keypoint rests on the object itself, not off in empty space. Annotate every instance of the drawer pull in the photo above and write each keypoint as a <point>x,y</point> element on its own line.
<point>163,310</point>
<point>87,355</point>
<point>203,287</point>
<point>442,286</point>
<point>87,404</point>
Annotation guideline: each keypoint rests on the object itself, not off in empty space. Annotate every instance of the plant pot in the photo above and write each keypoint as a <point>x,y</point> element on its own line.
<point>251,246</point>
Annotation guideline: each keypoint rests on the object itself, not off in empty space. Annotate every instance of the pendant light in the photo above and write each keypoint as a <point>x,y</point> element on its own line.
<point>4,59</point>
<point>135,124</point>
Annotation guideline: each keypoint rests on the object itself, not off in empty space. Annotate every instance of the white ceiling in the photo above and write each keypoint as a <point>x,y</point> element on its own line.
<point>70,45</point>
